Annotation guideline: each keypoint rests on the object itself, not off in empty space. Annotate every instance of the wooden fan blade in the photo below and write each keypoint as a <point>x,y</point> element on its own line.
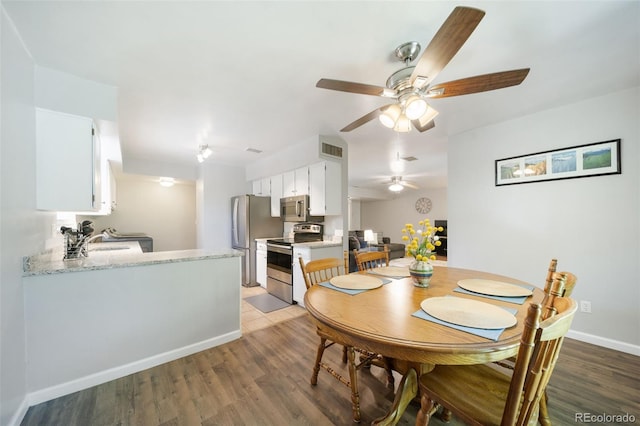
<point>363,89</point>
<point>479,83</point>
<point>364,119</point>
<point>445,44</point>
<point>409,185</point>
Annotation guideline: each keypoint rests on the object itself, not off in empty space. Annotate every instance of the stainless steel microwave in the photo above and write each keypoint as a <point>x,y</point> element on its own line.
<point>296,209</point>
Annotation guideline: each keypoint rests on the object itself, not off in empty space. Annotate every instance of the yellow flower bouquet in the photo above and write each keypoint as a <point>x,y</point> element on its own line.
<point>423,241</point>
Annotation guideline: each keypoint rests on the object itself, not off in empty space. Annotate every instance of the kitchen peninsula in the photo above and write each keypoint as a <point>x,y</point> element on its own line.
<point>119,311</point>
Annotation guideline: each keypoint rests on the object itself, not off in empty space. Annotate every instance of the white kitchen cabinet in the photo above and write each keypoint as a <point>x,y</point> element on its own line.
<point>325,184</point>
<point>256,187</point>
<point>309,252</point>
<point>262,187</point>
<point>108,190</point>
<point>67,163</point>
<point>295,182</point>
<point>276,194</point>
<point>261,263</point>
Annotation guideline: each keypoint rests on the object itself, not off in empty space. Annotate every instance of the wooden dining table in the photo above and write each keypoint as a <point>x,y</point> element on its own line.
<point>381,321</point>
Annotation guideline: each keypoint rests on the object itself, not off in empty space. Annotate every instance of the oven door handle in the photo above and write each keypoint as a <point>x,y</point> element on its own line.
<point>279,249</point>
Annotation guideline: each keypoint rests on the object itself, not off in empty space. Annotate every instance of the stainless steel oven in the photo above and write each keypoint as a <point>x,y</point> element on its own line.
<point>280,259</point>
<point>280,269</point>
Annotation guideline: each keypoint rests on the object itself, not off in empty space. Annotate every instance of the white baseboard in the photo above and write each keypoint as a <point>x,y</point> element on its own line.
<point>57,391</point>
<point>604,342</point>
<point>18,416</point>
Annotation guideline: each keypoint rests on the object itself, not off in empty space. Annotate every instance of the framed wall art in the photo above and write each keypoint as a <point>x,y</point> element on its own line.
<point>596,159</point>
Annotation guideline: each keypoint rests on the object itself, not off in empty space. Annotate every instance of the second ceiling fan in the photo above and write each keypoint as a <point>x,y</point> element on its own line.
<point>410,86</point>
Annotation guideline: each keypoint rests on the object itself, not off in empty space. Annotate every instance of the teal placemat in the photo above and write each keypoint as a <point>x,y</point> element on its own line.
<point>493,334</point>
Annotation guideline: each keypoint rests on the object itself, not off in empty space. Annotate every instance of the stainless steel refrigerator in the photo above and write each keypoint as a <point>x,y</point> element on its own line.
<point>251,219</point>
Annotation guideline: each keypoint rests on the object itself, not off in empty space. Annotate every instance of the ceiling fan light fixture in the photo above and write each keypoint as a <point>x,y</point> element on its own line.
<point>420,82</point>
<point>395,187</point>
<point>415,107</point>
<point>428,115</point>
<point>390,116</point>
<point>403,124</point>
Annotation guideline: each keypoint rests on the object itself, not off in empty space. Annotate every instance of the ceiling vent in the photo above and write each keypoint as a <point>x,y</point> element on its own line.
<point>410,158</point>
<point>330,151</point>
<point>257,151</point>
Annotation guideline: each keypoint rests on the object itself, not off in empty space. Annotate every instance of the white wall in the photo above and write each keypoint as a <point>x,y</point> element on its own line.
<point>59,91</point>
<point>168,215</point>
<point>354,214</point>
<point>390,216</point>
<point>23,230</point>
<point>591,225</point>
<point>214,189</point>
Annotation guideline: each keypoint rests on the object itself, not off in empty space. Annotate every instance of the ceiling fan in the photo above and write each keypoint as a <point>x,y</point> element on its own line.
<point>411,84</point>
<point>396,184</point>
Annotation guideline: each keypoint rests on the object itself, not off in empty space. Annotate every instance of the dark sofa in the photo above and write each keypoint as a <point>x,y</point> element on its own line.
<point>357,242</point>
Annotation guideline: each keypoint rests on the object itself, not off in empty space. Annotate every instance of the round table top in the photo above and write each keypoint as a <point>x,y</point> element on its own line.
<point>381,320</point>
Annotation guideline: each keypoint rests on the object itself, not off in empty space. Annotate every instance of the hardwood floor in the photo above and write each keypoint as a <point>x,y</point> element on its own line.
<point>263,379</point>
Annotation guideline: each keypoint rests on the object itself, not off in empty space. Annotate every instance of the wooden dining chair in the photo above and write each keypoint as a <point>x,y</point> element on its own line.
<point>570,280</point>
<point>482,395</point>
<point>316,272</point>
<point>558,284</point>
<point>371,259</point>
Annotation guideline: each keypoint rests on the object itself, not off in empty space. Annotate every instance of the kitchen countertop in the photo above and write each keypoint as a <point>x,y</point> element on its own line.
<point>318,244</point>
<point>311,244</point>
<point>115,255</point>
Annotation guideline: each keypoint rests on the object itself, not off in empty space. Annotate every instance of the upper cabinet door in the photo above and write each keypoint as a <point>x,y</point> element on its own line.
<point>295,182</point>
<point>302,181</point>
<point>276,194</point>
<point>67,162</point>
<point>289,184</point>
<point>325,183</point>
<point>257,187</point>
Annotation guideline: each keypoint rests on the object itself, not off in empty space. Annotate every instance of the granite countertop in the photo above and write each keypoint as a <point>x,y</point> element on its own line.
<point>114,255</point>
<point>319,244</point>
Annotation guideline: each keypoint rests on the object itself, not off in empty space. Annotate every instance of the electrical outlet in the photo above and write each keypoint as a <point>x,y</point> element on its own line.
<point>585,306</point>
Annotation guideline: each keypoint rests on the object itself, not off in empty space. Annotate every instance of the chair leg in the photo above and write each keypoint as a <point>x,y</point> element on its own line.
<point>353,379</point>
<point>344,354</point>
<point>387,367</point>
<point>427,408</point>
<point>445,415</point>
<point>316,366</point>
<point>543,415</point>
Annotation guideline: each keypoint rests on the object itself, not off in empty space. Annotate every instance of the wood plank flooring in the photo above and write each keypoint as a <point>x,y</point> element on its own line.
<point>263,379</point>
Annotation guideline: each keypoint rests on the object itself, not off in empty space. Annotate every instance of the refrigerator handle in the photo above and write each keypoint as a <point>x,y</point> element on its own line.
<point>234,225</point>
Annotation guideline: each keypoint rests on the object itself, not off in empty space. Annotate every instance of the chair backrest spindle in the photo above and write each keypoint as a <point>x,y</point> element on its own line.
<point>371,259</point>
<point>320,270</point>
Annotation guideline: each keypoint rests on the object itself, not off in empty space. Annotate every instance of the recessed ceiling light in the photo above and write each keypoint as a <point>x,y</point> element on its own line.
<point>167,181</point>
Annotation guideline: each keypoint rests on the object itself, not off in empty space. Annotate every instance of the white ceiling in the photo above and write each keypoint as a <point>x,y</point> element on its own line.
<point>242,74</point>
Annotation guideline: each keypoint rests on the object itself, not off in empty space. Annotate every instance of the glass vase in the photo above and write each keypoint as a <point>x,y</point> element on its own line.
<point>421,272</point>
